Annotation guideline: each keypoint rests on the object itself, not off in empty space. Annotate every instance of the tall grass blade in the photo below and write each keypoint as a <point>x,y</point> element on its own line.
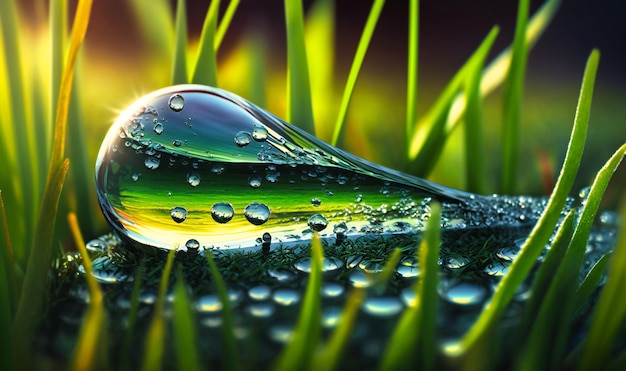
<point>389,269</point>
<point>91,348</point>
<point>154,18</point>
<point>412,64</point>
<point>299,351</point>
<point>512,110</point>
<point>328,358</point>
<point>357,62</point>
<point>205,72</point>
<point>430,135</point>
<point>413,340</point>
<point>185,336</point>
<point>299,106</point>
<point>320,38</point>
<point>545,226</point>
<point>493,77</point>
<point>7,294</point>
<point>58,39</point>
<point>129,336</point>
<point>7,262</point>
<point>591,281</point>
<point>228,324</point>
<point>474,144</point>
<point>610,312</point>
<point>179,66</point>
<point>225,23</point>
<point>155,337</point>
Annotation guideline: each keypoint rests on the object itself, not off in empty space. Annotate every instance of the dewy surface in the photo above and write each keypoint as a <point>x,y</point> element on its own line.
<point>197,166</point>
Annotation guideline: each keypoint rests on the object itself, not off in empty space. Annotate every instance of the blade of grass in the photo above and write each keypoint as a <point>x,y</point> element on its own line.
<point>610,311</point>
<point>357,62</point>
<point>58,36</point>
<point>228,324</point>
<point>205,71</point>
<point>545,226</point>
<point>91,348</point>
<point>299,105</point>
<point>155,20</point>
<point>225,23</point>
<point>591,281</point>
<point>413,340</point>
<point>329,357</point>
<point>412,64</point>
<point>129,336</point>
<point>298,352</point>
<point>155,338</point>
<point>512,96</point>
<point>474,143</point>
<point>382,279</point>
<point>493,76</point>
<point>430,134</point>
<point>185,337</point>
<point>179,66</point>
<point>320,37</point>
<point>8,262</point>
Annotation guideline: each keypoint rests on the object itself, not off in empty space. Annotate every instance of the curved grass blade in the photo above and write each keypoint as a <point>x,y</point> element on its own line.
<point>330,355</point>
<point>512,95</point>
<point>225,23</point>
<point>413,340</point>
<point>451,104</point>
<point>591,281</point>
<point>185,337</point>
<point>155,337</point>
<point>299,351</point>
<point>205,72</point>
<point>179,66</point>
<point>474,146</point>
<point>382,279</point>
<point>299,105</point>
<point>91,345</point>
<point>364,42</point>
<point>228,324</point>
<point>154,18</point>
<point>610,312</point>
<point>545,226</point>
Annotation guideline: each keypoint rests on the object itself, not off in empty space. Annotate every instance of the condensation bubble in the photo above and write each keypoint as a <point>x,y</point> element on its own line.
<point>176,103</point>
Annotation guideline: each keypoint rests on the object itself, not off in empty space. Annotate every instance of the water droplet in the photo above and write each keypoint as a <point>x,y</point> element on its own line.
<point>382,306</point>
<point>96,245</point>
<point>259,293</point>
<point>286,297</point>
<point>242,138</point>
<point>158,128</point>
<point>259,133</point>
<point>316,202</point>
<point>254,181</point>
<point>152,162</point>
<point>261,310</point>
<point>281,274</point>
<point>317,222</point>
<point>208,304</point>
<point>193,179</point>
<point>360,279</point>
<point>331,316</point>
<point>332,290</point>
<point>178,214</point>
<point>464,293</point>
<point>105,271</point>
<point>176,103</point>
<point>222,212</point>
<point>192,245</point>
<point>257,213</point>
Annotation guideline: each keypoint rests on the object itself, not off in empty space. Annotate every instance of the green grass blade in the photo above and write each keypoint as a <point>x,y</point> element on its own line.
<point>228,324</point>
<point>512,95</point>
<point>320,38</point>
<point>451,103</point>
<point>184,323</point>
<point>179,65</point>
<point>7,294</point>
<point>91,348</point>
<point>474,144</point>
<point>389,269</point>
<point>58,37</point>
<point>30,306</point>
<point>205,72</point>
<point>155,338</point>
<point>412,64</point>
<point>299,351</point>
<point>413,340</point>
<point>330,355</point>
<point>154,18</point>
<point>225,23</point>
<point>429,136</point>
<point>610,311</point>
<point>7,262</point>
<point>299,106</point>
<point>591,281</point>
<point>545,226</point>
<point>357,62</point>
<point>129,336</point>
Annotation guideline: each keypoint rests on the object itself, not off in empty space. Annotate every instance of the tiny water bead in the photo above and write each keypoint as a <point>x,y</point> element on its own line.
<point>193,151</point>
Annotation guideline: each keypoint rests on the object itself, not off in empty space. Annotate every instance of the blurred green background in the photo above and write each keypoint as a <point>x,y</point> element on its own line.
<point>121,62</point>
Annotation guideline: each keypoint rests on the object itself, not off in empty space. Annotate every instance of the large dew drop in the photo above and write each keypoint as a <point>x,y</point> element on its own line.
<point>218,170</point>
